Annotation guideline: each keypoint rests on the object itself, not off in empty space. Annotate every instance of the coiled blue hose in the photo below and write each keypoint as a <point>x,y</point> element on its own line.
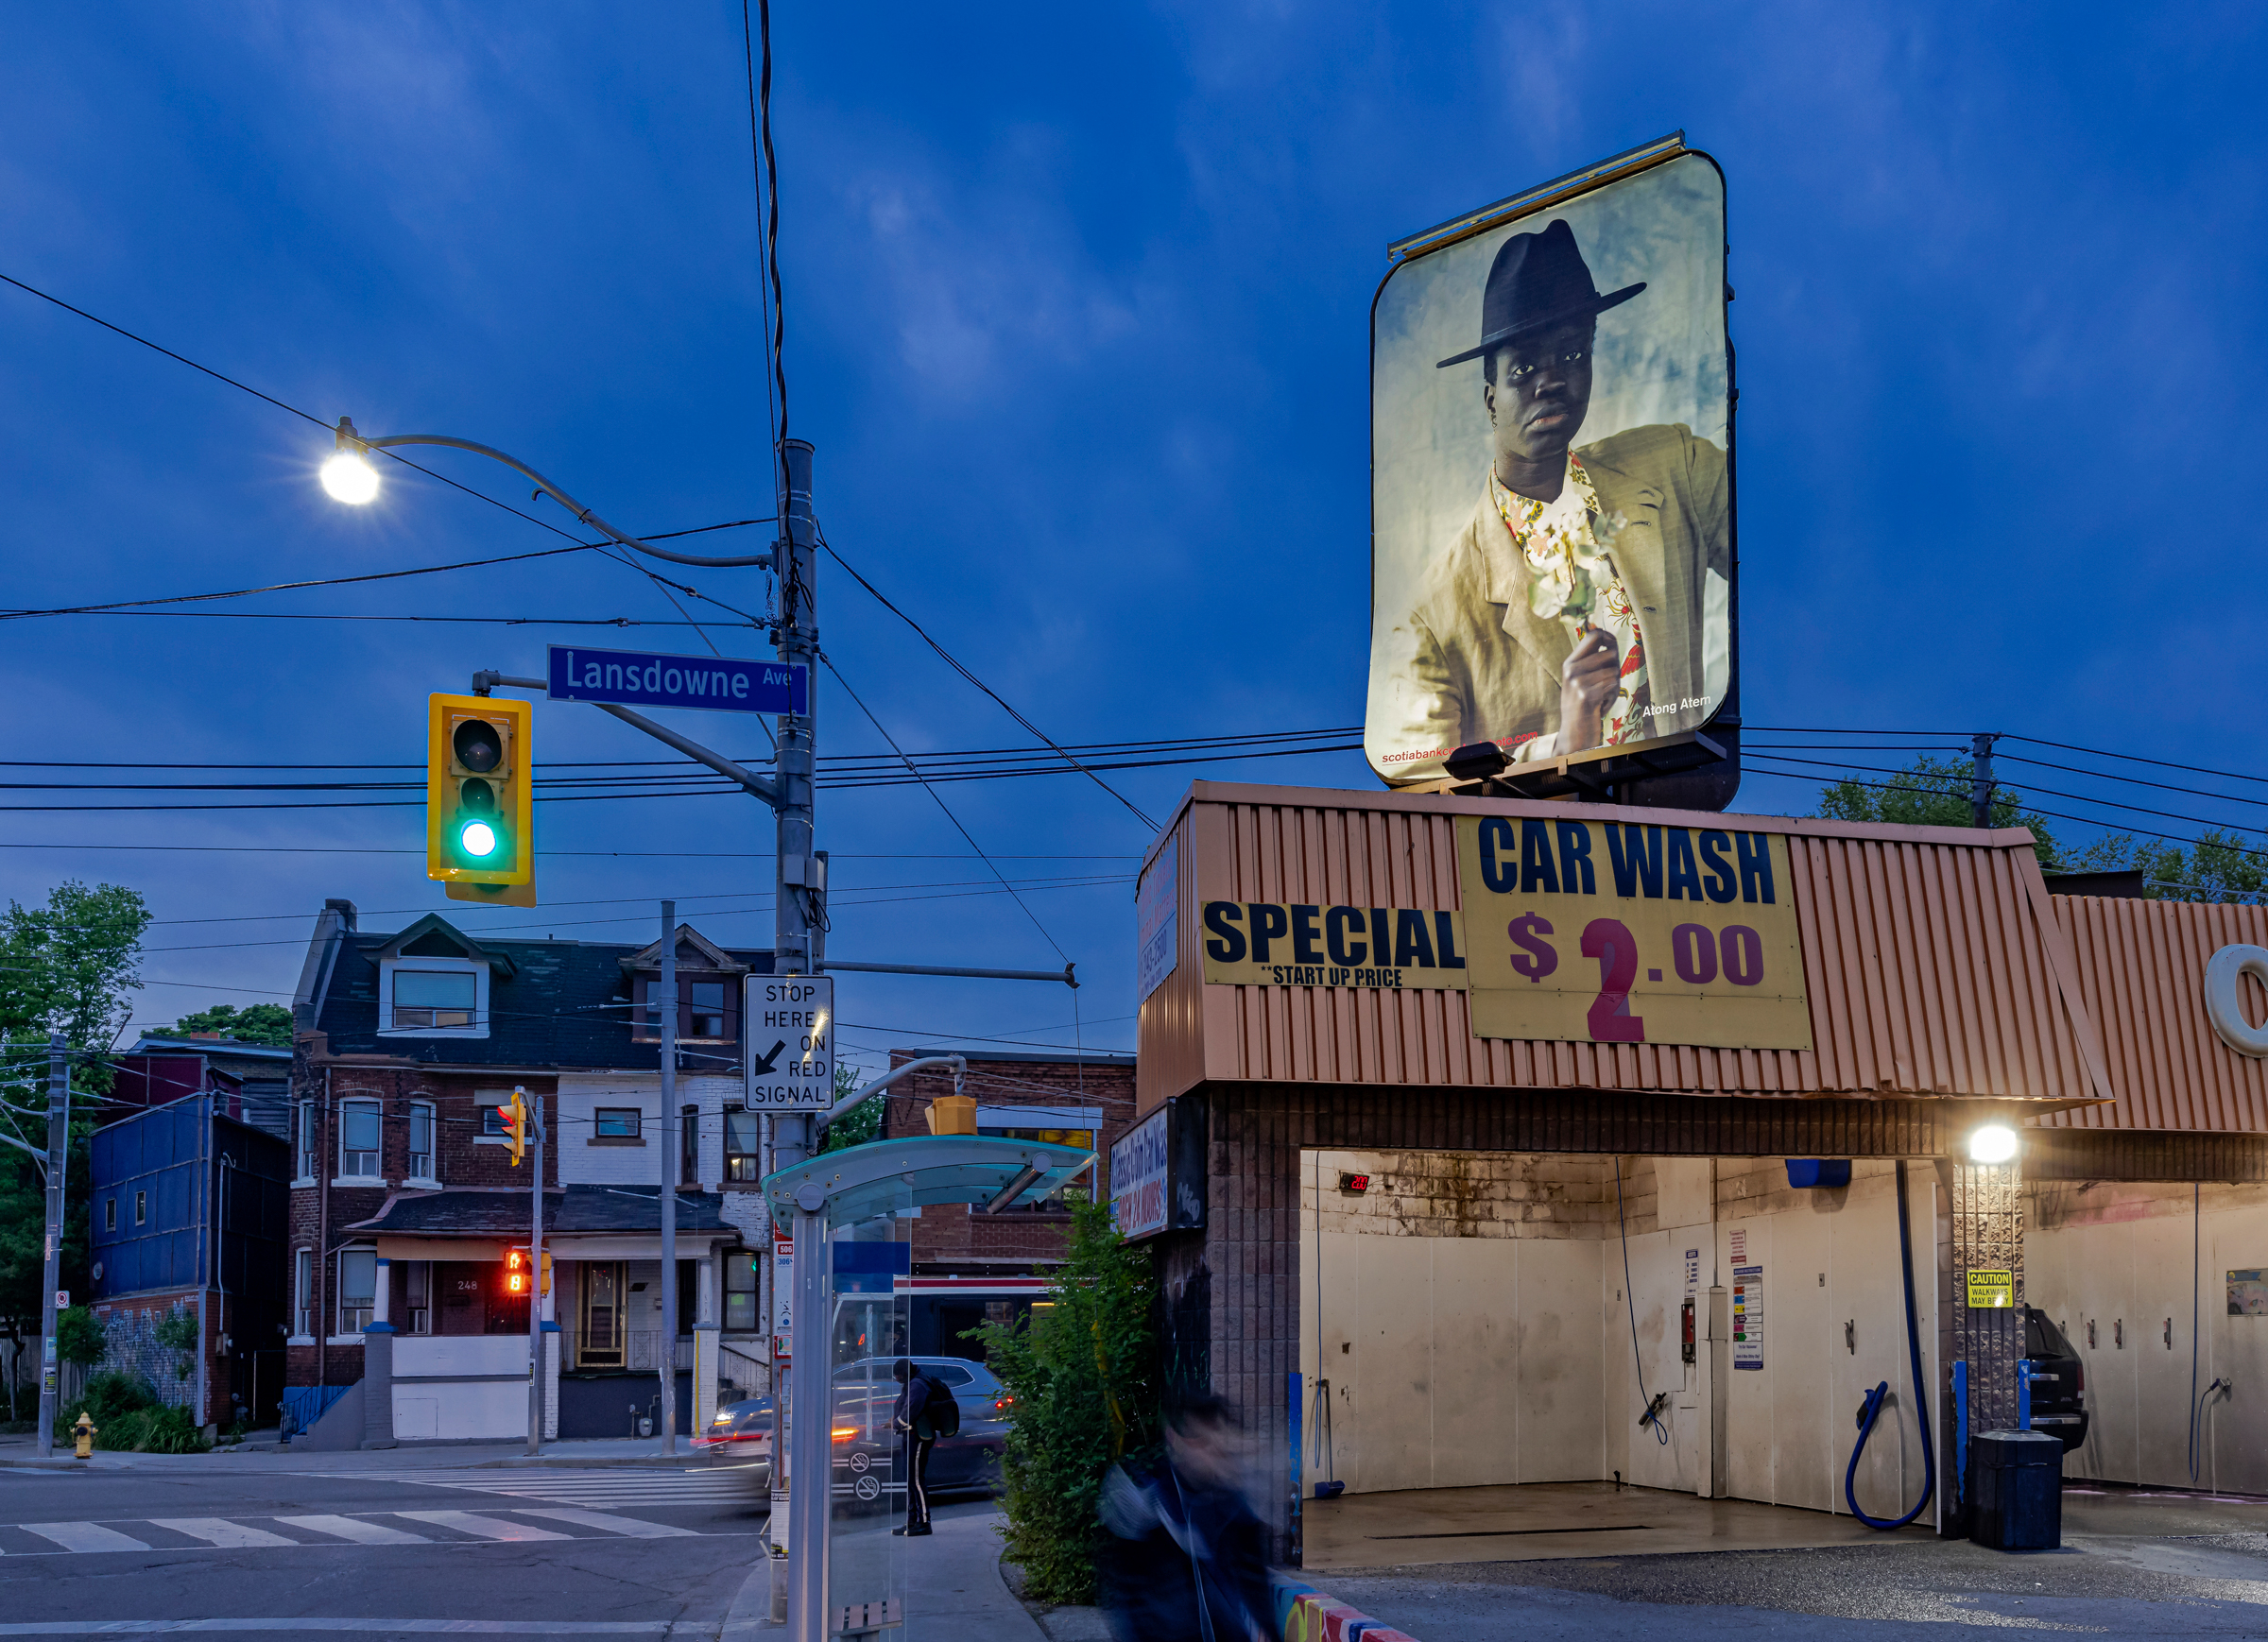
<point>1872,1407</point>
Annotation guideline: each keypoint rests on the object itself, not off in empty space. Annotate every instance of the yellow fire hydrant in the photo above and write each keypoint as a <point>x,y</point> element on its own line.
<point>83,1439</point>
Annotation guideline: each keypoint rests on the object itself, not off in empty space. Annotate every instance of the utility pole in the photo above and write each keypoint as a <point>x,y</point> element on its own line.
<point>59,1150</point>
<point>1980,791</point>
<point>796,952</point>
<point>666,1001</point>
<point>534,1119</point>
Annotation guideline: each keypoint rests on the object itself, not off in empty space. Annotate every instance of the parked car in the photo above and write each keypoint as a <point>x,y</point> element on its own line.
<point>968,1462</point>
<point>2058,1381</point>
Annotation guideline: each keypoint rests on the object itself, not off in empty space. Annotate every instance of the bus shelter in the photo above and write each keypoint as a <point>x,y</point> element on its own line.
<point>850,1213</point>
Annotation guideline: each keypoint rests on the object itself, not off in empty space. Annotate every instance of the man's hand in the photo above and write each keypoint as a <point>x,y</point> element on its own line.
<point>1587,680</point>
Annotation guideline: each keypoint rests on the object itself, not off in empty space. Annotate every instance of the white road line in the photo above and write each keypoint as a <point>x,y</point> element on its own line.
<point>482,1526</point>
<point>630,1526</point>
<point>390,1626</point>
<point>220,1531</point>
<point>82,1535</point>
<point>352,1528</point>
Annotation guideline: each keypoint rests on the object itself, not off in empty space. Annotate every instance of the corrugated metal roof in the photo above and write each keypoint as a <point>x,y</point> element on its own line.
<point>1934,964</point>
<point>2142,969</point>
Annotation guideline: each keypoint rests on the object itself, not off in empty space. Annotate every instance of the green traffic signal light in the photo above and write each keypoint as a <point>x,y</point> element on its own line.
<point>477,839</point>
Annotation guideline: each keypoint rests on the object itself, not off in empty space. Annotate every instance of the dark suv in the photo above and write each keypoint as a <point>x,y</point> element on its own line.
<point>2058,1382</point>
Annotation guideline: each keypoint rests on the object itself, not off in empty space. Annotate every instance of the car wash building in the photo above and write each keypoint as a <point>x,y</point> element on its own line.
<point>1491,1141</point>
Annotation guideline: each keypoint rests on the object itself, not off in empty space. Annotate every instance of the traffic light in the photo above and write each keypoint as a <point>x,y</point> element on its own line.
<point>514,1113</point>
<point>478,819</point>
<point>516,1275</point>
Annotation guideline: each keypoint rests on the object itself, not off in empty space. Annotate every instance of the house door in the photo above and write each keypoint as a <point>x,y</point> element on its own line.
<point>600,1338</point>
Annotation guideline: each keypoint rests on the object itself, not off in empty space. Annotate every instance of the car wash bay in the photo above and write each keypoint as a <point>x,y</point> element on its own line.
<point>1470,1312</point>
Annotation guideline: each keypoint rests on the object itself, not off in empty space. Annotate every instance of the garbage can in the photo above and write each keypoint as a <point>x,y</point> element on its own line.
<point>2019,1502</point>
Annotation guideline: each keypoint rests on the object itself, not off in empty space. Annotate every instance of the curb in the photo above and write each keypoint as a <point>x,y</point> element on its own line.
<point>1304,1614</point>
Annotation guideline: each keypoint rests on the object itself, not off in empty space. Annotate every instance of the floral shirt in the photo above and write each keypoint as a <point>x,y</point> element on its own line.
<point>1568,545</point>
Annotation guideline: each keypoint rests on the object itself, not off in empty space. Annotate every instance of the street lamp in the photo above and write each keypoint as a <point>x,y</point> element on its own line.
<point>350,478</point>
<point>1993,1143</point>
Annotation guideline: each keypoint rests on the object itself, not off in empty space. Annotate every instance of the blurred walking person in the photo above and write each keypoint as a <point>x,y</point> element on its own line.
<point>1187,1557</point>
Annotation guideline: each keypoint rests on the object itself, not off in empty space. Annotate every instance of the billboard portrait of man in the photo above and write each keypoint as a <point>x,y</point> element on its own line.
<point>1552,509</point>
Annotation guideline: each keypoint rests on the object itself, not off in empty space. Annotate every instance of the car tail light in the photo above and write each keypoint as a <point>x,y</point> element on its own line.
<point>846,1433</point>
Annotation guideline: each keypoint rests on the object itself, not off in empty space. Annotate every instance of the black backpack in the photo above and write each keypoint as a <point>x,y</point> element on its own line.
<point>941,1410</point>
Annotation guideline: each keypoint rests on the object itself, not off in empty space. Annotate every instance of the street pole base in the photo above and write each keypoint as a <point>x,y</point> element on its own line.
<point>779,1588</point>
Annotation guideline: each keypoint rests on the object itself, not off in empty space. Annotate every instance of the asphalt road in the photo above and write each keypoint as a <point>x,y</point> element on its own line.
<point>620,1553</point>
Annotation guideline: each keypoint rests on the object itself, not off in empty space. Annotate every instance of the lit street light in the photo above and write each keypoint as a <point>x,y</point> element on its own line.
<point>350,478</point>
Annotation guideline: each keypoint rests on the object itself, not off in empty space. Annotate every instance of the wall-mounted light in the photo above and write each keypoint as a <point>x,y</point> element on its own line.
<point>1993,1143</point>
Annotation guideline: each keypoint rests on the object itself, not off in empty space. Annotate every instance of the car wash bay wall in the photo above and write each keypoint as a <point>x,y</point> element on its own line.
<point>1471,1318</point>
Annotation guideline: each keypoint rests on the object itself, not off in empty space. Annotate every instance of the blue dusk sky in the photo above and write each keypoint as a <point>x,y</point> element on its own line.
<point>1077,317</point>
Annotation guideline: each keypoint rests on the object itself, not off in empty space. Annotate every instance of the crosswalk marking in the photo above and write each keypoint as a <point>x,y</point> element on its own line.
<point>611,1487</point>
<point>82,1536</point>
<point>352,1528</point>
<point>220,1531</point>
<point>483,1526</point>
<point>628,1527</point>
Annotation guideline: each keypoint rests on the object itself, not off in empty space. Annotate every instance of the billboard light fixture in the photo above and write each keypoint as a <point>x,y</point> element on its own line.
<point>1993,1143</point>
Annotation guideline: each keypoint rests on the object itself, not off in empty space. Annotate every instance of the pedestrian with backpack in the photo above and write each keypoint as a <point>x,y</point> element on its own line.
<point>925,1411</point>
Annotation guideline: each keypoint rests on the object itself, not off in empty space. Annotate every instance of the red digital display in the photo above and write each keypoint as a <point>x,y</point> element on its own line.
<point>1354,1183</point>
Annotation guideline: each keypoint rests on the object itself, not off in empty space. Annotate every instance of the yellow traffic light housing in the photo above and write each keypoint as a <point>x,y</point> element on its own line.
<point>479,817</point>
<point>514,1113</point>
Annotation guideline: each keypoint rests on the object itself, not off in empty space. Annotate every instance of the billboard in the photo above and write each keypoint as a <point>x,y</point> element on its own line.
<point>1158,1172</point>
<point>1552,517</point>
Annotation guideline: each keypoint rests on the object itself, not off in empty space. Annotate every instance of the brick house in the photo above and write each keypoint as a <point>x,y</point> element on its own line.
<point>405,1203</point>
<point>970,1267</point>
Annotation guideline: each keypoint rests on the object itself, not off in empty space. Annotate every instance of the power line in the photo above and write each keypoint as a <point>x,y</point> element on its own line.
<point>952,662</point>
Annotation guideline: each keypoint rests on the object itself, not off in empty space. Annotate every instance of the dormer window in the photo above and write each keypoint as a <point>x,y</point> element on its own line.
<point>430,998</point>
<point>433,981</point>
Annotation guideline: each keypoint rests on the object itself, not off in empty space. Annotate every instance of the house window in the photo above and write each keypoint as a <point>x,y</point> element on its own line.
<point>433,999</point>
<point>359,1131</point>
<point>417,1289</point>
<point>308,1148</point>
<point>707,1010</point>
<point>357,1289</point>
<point>740,1292</point>
<point>689,1146</point>
<point>744,1145</point>
<point>110,1214</point>
<point>303,1292</point>
<point>140,1208</point>
<point>421,1140</point>
<point>492,1119</point>
<point>616,1123</point>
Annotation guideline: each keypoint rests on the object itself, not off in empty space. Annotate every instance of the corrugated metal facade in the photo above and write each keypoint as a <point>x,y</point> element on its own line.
<point>1933,965</point>
<point>2142,969</point>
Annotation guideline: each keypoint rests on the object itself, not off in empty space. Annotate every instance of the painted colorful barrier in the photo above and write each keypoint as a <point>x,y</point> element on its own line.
<point>1304,1614</point>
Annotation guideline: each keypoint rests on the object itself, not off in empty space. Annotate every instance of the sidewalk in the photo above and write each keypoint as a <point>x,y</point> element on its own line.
<point>954,1589</point>
<point>21,1453</point>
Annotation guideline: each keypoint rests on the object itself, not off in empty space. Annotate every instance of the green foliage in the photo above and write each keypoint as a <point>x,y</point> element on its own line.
<point>181,1333</point>
<point>153,1431</point>
<point>862,1123</point>
<point>1084,1378</point>
<point>2220,866</point>
<point>268,1023</point>
<point>1932,792</point>
<point>111,1395</point>
<point>80,1335</point>
<point>66,967</point>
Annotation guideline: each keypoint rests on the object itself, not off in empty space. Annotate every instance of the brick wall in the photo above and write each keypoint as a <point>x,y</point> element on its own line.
<point>950,1235</point>
<point>320,1213</point>
<point>130,1328</point>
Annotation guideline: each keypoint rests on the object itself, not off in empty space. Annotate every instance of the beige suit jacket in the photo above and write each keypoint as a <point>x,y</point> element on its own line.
<point>1469,663</point>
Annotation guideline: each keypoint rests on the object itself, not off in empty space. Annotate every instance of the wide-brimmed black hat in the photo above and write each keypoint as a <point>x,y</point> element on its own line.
<point>1537,280</point>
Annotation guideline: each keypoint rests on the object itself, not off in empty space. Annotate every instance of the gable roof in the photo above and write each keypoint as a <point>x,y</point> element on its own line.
<point>551,1003</point>
<point>435,936</point>
<point>705,953</point>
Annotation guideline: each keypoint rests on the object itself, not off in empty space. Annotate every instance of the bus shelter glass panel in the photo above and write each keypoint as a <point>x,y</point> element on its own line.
<point>870,1329</point>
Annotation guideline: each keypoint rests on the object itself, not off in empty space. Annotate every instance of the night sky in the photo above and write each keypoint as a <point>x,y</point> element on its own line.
<point>1077,315</point>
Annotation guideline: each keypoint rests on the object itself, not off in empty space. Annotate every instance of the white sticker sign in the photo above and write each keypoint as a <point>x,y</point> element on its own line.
<point>1747,1316</point>
<point>788,1033</point>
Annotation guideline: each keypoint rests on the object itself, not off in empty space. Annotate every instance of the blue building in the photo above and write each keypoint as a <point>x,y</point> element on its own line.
<point>189,1210</point>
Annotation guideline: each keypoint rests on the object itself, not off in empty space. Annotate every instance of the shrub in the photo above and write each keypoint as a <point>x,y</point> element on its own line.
<point>1085,1380</point>
<point>80,1337</point>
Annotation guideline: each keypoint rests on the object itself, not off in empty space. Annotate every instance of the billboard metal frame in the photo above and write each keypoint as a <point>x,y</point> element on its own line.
<point>1694,769</point>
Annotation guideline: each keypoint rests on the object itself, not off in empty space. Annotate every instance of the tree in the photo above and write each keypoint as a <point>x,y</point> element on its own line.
<point>268,1023</point>
<point>1932,792</point>
<point>68,966</point>
<point>2220,866</point>
<point>1087,1385</point>
<point>862,1123</point>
